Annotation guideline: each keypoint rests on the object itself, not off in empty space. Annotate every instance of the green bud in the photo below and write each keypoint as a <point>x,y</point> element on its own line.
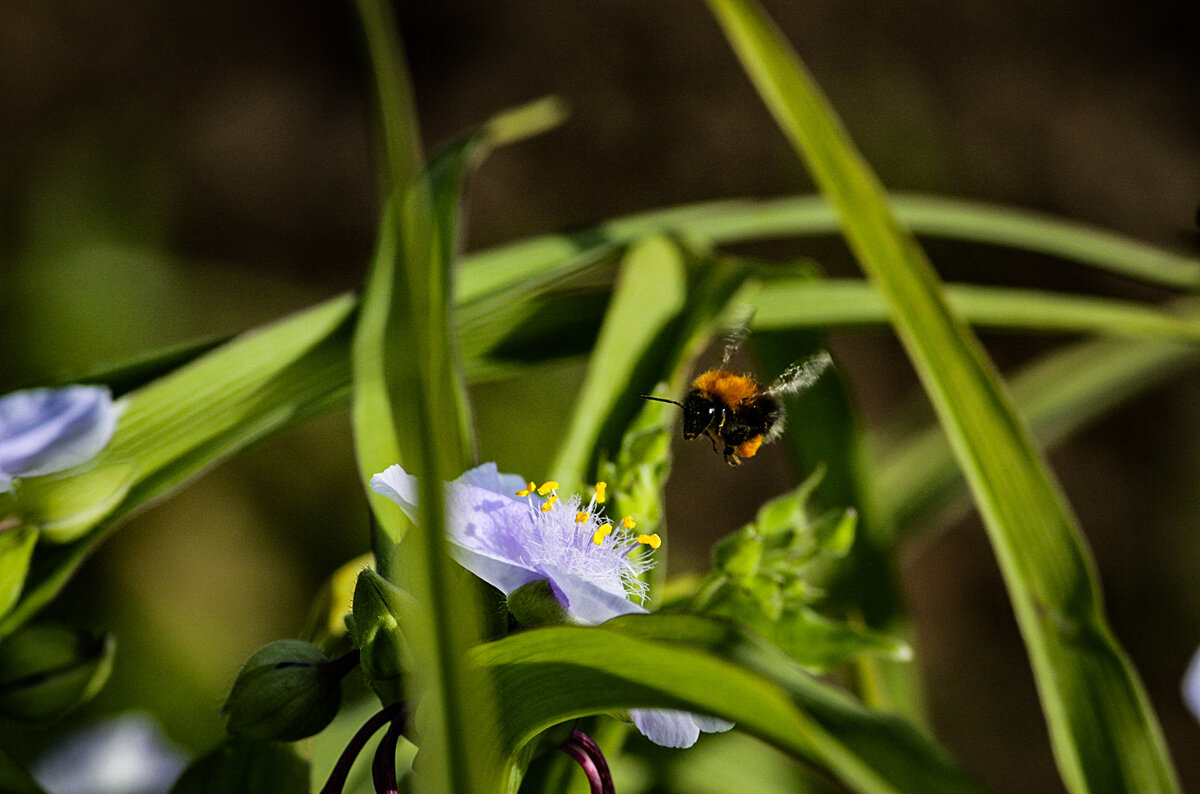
<point>380,610</point>
<point>46,671</point>
<point>534,605</point>
<point>286,691</point>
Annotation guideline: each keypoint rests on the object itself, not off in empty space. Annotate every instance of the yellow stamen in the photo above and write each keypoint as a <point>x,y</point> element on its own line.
<point>550,502</point>
<point>600,495</point>
<point>526,491</point>
<point>602,533</point>
<point>582,516</point>
<point>547,487</point>
<point>628,522</point>
<point>653,541</point>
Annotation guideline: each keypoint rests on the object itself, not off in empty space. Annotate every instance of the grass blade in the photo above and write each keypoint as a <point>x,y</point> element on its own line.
<point>1059,394</point>
<point>1102,728</point>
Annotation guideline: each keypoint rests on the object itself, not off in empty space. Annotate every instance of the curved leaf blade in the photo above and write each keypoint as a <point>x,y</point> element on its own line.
<point>708,665</point>
<point>1103,731</point>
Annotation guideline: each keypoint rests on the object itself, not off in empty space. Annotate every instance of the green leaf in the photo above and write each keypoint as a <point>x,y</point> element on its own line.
<point>823,303</point>
<point>410,406</point>
<point>48,671</point>
<point>16,550</point>
<point>244,766</point>
<point>706,665</point>
<point>1104,732</point>
<point>257,385</point>
<point>220,403</point>
<point>740,220</point>
<point>649,295</point>
<point>1059,394</point>
<point>396,108</point>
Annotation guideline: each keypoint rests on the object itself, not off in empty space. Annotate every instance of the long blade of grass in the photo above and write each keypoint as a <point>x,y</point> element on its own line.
<point>1059,394</point>
<point>1103,731</point>
<point>741,220</point>
<point>846,303</point>
<point>397,112</point>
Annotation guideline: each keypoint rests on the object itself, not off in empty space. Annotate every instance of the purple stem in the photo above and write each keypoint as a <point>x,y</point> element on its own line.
<point>341,770</point>
<point>589,744</point>
<point>383,769</point>
<point>587,754</point>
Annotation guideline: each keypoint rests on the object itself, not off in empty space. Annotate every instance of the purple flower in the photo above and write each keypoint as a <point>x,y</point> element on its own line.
<point>43,431</point>
<point>511,533</point>
<point>127,753</point>
<point>1191,686</point>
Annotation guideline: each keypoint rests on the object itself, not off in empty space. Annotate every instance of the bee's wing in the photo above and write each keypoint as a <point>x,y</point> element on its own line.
<point>736,336</point>
<point>801,374</point>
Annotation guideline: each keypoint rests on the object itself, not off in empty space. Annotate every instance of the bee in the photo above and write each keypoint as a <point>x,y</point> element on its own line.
<point>730,407</point>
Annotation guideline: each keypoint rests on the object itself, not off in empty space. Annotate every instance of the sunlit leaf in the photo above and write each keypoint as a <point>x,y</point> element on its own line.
<point>1090,692</point>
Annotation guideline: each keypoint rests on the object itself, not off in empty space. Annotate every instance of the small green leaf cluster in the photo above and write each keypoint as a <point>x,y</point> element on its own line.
<point>768,574</point>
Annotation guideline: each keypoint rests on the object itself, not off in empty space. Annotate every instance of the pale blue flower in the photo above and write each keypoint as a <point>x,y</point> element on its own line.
<point>43,431</point>
<point>510,533</point>
<point>123,755</point>
<point>1191,686</point>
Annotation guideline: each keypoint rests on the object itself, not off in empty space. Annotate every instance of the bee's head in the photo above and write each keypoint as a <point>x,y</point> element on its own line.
<point>699,413</point>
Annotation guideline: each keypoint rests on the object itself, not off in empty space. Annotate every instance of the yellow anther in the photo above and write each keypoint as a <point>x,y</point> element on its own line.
<point>582,516</point>
<point>547,487</point>
<point>628,522</point>
<point>526,491</point>
<point>550,502</point>
<point>602,533</point>
<point>653,541</point>
<point>600,496</point>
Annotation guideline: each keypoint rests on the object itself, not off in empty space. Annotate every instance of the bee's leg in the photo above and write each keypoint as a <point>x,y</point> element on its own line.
<point>713,440</point>
<point>731,457</point>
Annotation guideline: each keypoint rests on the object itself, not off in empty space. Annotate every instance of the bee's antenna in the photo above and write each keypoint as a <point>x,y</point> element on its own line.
<point>660,399</point>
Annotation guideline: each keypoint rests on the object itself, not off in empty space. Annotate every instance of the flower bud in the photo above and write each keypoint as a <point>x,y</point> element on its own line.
<point>286,691</point>
<point>45,671</point>
<point>535,604</point>
<point>379,613</point>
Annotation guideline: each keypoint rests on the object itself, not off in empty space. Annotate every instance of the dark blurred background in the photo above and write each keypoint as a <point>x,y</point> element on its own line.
<point>172,171</point>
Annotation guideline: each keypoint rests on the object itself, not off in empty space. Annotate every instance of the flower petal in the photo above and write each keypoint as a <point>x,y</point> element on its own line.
<point>711,724</point>
<point>667,727</point>
<point>501,574</point>
<point>1191,686</point>
<point>125,753</point>
<point>399,486</point>
<point>488,477</point>
<point>587,602</point>
<point>43,431</point>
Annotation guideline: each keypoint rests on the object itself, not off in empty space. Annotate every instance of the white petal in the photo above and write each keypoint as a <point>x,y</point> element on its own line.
<point>587,602</point>
<point>43,431</point>
<point>666,727</point>
<point>399,486</point>
<point>1191,686</point>
<point>711,724</point>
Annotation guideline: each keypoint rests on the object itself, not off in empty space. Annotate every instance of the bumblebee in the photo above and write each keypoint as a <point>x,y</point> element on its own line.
<point>731,408</point>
